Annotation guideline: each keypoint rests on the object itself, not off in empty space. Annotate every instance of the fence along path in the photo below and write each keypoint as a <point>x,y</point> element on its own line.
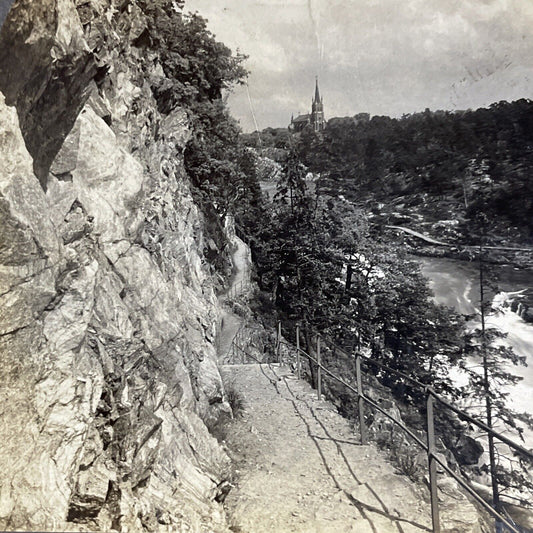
<point>231,323</point>
<point>301,468</point>
<point>503,521</point>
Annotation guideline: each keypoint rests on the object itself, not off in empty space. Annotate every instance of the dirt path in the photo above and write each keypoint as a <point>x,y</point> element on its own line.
<point>230,322</point>
<point>300,467</point>
<point>431,240</point>
<point>241,266</point>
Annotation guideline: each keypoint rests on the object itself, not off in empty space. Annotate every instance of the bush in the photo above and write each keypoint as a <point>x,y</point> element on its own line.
<point>235,399</point>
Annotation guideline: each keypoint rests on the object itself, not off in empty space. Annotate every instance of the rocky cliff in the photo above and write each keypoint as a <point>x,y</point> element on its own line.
<point>108,313</point>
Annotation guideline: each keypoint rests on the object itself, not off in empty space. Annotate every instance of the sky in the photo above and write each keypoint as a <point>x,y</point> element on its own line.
<point>4,8</point>
<point>383,57</point>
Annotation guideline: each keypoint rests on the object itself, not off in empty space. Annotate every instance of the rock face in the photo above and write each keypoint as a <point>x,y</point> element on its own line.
<point>522,305</point>
<point>107,327</point>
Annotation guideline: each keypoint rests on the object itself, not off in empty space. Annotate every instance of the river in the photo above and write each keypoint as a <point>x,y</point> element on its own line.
<point>456,284</point>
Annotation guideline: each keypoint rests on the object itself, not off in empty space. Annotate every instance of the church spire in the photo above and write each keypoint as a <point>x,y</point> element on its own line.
<point>315,119</point>
<point>317,110</point>
<point>317,92</point>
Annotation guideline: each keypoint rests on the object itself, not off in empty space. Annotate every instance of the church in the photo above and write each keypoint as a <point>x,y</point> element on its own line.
<point>315,119</point>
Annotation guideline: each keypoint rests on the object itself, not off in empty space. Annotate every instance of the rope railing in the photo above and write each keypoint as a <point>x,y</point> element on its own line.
<point>236,340</point>
<point>246,332</point>
<point>465,416</point>
<point>429,446</point>
<point>456,410</point>
<point>355,391</point>
<point>425,387</point>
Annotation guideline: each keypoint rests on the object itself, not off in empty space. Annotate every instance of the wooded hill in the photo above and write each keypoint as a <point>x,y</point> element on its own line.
<point>441,164</point>
<point>473,161</point>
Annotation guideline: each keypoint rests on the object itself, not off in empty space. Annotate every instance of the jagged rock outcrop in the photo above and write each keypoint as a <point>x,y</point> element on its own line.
<point>107,328</point>
<point>522,305</point>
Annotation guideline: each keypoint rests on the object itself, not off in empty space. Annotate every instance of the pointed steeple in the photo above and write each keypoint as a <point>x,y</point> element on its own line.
<point>317,110</point>
<point>315,119</point>
<point>317,92</point>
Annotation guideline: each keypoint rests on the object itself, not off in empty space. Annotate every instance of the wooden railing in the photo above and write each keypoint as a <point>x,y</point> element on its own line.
<point>432,400</point>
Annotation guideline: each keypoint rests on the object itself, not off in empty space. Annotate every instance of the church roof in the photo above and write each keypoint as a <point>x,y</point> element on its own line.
<point>302,118</point>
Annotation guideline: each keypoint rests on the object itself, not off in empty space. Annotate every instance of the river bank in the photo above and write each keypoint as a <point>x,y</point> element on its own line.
<point>505,271</point>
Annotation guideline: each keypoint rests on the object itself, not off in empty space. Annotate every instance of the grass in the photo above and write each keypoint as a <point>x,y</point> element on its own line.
<point>222,426</point>
<point>405,460</point>
<point>235,399</point>
<point>402,454</point>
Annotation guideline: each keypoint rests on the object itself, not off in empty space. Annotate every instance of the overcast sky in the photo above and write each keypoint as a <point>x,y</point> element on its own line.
<point>378,56</point>
<point>4,8</point>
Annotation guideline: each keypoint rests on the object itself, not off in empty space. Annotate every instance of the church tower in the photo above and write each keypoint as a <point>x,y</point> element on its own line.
<point>317,110</point>
<point>315,119</point>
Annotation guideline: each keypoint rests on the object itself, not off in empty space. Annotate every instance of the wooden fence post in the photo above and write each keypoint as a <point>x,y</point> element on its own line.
<point>278,342</point>
<point>360,400</point>
<point>243,353</point>
<point>432,465</point>
<point>298,373</point>
<point>319,369</point>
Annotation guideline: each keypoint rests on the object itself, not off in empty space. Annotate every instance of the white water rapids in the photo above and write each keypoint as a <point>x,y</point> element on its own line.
<point>456,284</point>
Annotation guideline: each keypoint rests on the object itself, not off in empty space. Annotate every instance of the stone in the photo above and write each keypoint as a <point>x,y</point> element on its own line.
<point>49,92</point>
<point>91,491</point>
<point>527,315</point>
<point>108,311</point>
<point>30,250</point>
<point>467,450</point>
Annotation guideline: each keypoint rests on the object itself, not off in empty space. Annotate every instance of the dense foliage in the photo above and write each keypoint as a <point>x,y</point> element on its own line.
<point>197,67</point>
<point>332,273</point>
<point>480,159</point>
<point>316,255</point>
<point>326,271</point>
<point>196,70</point>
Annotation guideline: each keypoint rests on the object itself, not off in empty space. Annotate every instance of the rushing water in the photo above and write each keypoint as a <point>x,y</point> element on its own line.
<point>456,284</point>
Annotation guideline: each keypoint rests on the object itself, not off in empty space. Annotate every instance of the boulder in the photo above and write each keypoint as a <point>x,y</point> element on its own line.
<point>527,315</point>
<point>467,450</point>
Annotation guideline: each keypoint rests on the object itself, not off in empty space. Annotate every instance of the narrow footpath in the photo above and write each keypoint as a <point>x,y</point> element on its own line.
<point>300,467</point>
<point>230,322</point>
<point>241,266</point>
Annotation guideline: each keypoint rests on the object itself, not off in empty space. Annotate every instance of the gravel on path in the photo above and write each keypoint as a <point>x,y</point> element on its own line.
<point>300,467</point>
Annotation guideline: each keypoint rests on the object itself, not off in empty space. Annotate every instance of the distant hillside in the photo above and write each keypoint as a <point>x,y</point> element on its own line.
<point>443,164</point>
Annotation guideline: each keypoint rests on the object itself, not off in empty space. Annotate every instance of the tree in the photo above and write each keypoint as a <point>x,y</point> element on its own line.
<point>484,344</point>
<point>291,188</point>
<point>195,70</point>
<point>446,156</point>
<point>310,241</point>
<point>196,67</point>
